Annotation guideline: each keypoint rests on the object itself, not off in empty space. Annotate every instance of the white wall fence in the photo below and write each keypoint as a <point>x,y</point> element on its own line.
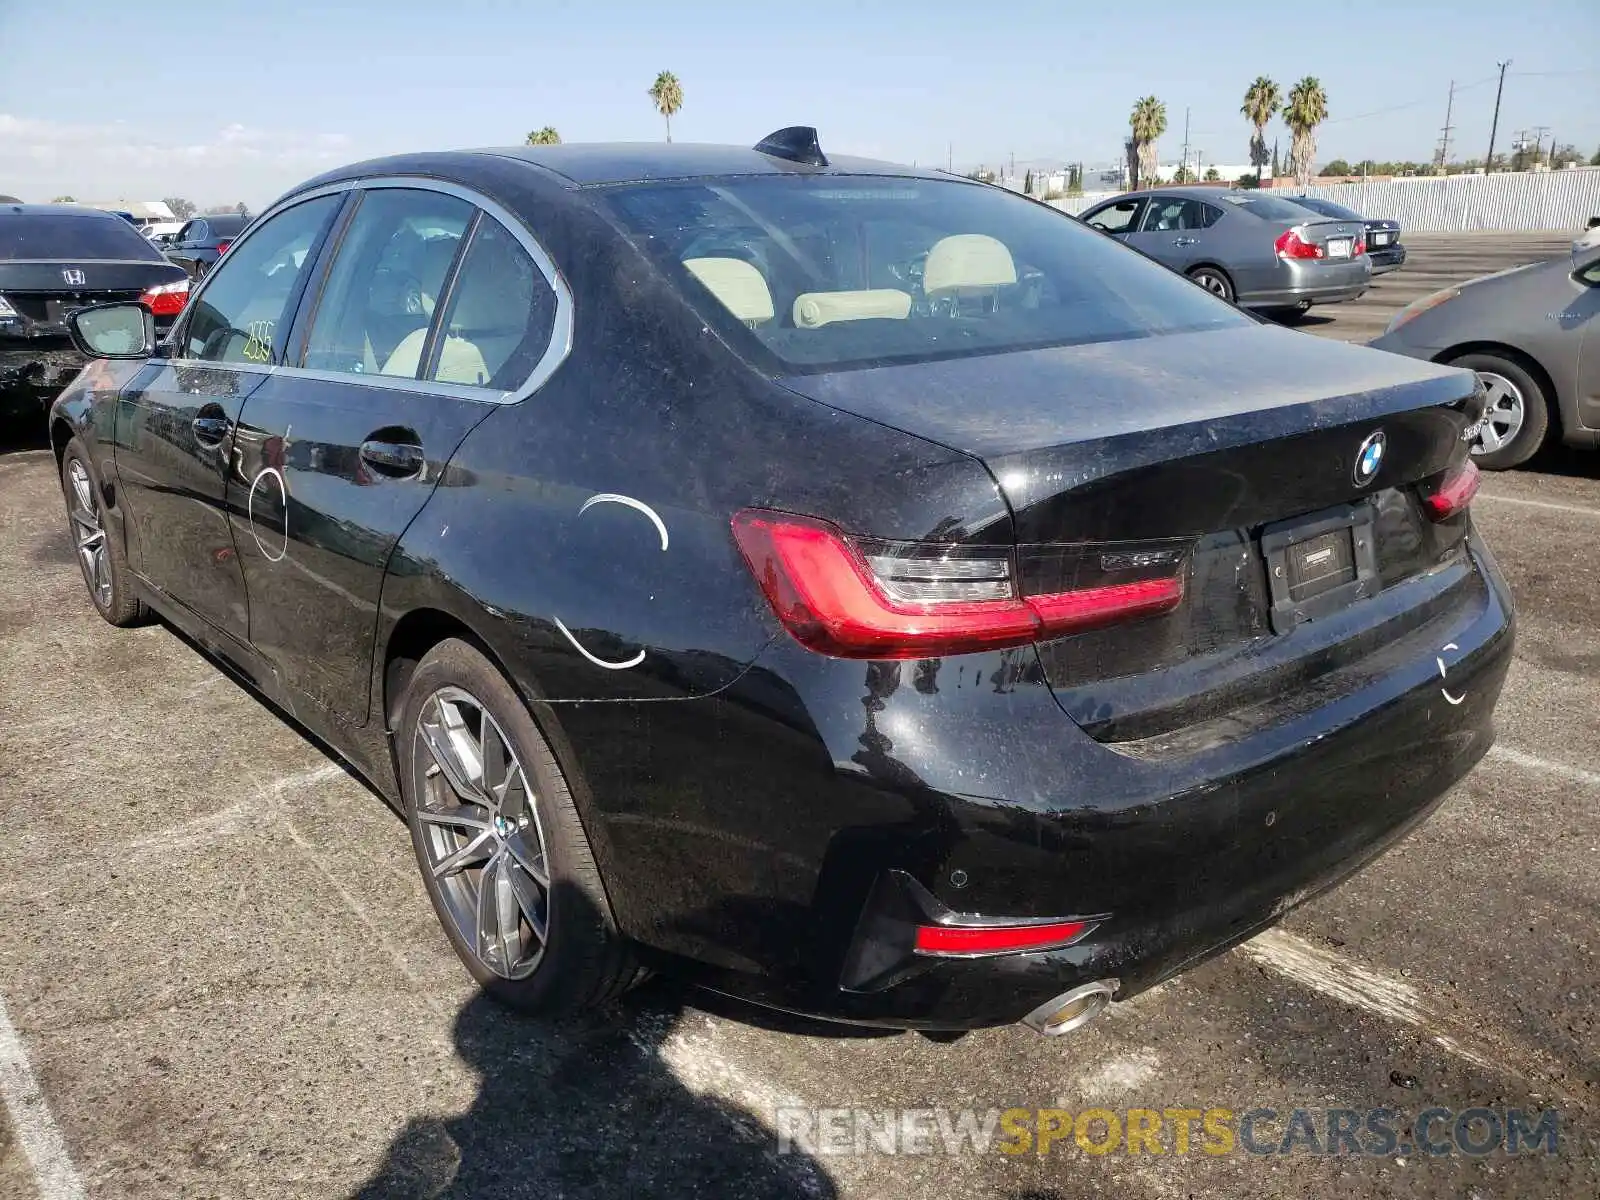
<point>1561,201</point>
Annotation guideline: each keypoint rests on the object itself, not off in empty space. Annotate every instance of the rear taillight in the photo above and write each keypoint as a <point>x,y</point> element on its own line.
<point>1291,245</point>
<point>1358,249</point>
<point>166,299</point>
<point>854,598</point>
<point>223,245</point>
<point>1452,491</point>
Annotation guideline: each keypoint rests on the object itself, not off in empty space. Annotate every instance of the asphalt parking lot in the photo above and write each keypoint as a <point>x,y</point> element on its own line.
<point>219,974</point>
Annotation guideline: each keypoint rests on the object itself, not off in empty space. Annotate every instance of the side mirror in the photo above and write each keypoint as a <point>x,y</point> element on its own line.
<point>113,331</point>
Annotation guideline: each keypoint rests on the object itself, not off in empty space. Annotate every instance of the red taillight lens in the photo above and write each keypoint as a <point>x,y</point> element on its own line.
<point>1453,492</point>
<point>1291,245</point>
<point>166,299</point>
<point>997,939</point>
<point>912,601</point>
<point>1358,249</point>
<point>223,245</point>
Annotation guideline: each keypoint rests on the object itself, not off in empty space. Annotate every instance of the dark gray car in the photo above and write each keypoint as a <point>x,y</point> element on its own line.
<point>1532,335</point>
<point>1257,250</point>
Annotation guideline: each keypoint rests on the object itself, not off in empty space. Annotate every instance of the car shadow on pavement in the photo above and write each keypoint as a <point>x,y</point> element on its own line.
<point>591,1107</point>
<point>18,434</point>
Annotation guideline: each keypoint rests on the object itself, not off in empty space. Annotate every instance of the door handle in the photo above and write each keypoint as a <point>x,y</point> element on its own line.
<point>1183,241</point>
<point>397,460</point>
<point>210,431</point>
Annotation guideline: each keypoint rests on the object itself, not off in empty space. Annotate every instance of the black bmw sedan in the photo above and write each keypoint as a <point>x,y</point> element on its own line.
<point>863,591</point>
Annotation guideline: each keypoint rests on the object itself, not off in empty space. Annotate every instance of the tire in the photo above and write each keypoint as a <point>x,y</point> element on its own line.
<point>101,558</point>
<point>1215,281</point>
<point>548,944</point>
<point>1518,414</point>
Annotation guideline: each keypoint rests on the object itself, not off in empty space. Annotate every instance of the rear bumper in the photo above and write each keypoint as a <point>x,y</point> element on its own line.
<point>1188,854</point>
<point>1316,282</point>
<point>1387,258</point>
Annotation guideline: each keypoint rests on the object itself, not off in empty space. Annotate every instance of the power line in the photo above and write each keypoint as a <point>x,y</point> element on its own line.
<point>1381,112</point>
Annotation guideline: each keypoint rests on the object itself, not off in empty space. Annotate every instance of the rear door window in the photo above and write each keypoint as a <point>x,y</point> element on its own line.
<point>1174,214</point>
<point>386,283</point>
<point>500,315</point>
<point>241,314</point>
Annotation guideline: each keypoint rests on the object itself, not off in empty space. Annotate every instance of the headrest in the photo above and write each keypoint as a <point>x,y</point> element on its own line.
<point>737,284</point>
<point>967,260</point>
<point>812,309</point>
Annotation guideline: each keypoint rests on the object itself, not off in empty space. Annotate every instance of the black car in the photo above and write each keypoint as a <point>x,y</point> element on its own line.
<point>56,258</point>
<point>1383,236</point>
<point>861,590</point>
<point>197,246</point>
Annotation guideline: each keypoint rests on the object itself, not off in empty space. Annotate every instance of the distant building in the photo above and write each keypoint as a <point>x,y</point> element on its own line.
<point>145,212</point>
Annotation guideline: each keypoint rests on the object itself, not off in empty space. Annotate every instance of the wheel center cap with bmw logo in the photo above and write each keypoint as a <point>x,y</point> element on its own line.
<point>1368,459</point>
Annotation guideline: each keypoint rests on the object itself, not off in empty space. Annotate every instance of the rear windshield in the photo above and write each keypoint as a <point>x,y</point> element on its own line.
<point>225,226</point>
<point>49,236</point>
<point>1269,208</point>
<point>1329,209</point>
<point>811,273</point>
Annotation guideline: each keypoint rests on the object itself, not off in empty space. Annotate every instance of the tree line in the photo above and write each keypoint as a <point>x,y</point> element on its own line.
<point>666,93</point>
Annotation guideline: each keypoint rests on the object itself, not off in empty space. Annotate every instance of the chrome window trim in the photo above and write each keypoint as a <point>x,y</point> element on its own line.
<point>560,344</point>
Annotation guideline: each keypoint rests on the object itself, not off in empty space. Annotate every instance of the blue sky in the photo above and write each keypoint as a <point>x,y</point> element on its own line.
<point>225,101</point>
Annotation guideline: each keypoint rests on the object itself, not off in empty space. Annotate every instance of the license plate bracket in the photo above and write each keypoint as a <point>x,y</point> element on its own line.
<point>1318,564</point>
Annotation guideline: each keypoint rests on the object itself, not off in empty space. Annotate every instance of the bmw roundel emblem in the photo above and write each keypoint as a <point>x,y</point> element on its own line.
<point>1368,459</point>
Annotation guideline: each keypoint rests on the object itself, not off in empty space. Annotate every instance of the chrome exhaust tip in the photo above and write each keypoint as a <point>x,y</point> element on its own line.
<point>1071,1010</point>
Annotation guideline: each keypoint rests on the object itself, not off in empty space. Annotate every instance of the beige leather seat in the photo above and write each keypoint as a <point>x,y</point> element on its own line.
<point>459,362</point>
<point>737,284</point>
<point>814,309</point>
<point>965,265</point>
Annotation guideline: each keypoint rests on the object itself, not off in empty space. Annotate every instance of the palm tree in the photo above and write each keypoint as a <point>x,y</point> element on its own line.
<point>1260,103</point>
<point>1148,122</point>
<point>544,137</point>
<point>667,92</point>
<point>1305,109</point>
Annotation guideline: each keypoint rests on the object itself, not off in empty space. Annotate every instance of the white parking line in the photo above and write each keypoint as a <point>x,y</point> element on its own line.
<point>1533,762</point>
<point>1550,504</point>
<point>1342,979</point>
<point>36,1128</point>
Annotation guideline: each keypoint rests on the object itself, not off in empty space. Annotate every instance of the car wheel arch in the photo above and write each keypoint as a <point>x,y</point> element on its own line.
<point>416,633</point>
<point>1552,394</point>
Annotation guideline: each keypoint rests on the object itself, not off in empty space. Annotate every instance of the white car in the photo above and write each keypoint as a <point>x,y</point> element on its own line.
<point>161,231</point>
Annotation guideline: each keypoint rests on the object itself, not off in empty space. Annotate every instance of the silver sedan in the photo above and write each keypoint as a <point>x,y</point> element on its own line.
<point>1254,249</point>
<point>1533,336</point>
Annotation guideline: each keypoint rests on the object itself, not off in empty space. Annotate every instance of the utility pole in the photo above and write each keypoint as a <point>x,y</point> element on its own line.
<point>1444,134</point>
<point>1488,161</point>
<point>1184,166</point>
<point>1538,142</point>
<point>1013,174</point>
<point>949,157</point>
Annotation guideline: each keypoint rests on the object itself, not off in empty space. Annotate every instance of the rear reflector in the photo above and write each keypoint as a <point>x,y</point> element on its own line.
<point>913,600</point>
<point>1453,492</point>
<point>960,940</point>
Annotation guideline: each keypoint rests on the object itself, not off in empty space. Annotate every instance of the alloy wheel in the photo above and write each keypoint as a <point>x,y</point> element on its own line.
<point>480,830</point>
<point>1503,414</point>
<point>1214,284</point>
<point>89,534</point>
